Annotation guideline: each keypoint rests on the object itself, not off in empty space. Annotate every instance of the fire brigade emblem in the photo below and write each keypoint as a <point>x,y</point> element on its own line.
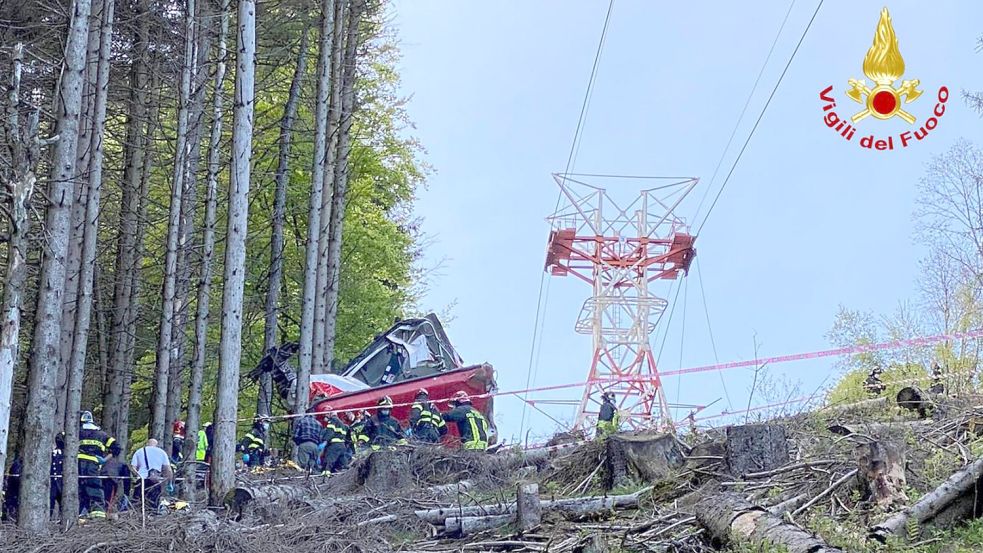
<point>884,65</point>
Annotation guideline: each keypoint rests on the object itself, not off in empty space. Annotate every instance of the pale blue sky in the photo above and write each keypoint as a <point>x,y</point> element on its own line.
<point>807,222</point>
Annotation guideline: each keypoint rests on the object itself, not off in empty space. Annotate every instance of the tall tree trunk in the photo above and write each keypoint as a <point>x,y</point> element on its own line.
<point>164,342</point>
<point>208,252</point>
<point>282,176</point>
<point>175,391</point>
<point>307,326</point>
<point>229,353</point>
<point>83,154</point>
<point>24,147</point>
<point>134,153</point>
<point>129,349</point>
<point>138,131</point>
<point>342,175</point>
<point>80,334</point>
<point>39,416</point>
<point>93,393</point>
<point>334,117</point>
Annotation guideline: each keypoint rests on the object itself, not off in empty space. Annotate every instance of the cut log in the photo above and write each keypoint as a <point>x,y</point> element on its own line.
<point>872,404</point>
<point>877,429</point>
<point>529,513</point>
<point>466,526</point>
<point>254,495</point>
<point>755,448</point>
<point>645,456</point>
<point>962,482</point>
<point>729,517</point>
<point>914,399</point>
<point>574,506</point>
<point>882,474</point>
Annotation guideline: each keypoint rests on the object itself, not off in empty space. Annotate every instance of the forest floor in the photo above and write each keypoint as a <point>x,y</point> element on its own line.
<point>827,477</point>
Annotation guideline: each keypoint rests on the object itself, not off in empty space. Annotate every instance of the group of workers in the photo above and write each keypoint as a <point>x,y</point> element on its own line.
<point>874,386</point>
<point>330,447</point>
<point>104,476</point>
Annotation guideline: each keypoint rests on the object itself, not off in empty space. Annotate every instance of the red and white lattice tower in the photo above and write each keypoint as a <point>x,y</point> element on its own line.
<point>622,252</point>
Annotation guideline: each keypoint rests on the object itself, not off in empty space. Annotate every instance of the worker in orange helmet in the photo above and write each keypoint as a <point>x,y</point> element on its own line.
<point>471,424</point>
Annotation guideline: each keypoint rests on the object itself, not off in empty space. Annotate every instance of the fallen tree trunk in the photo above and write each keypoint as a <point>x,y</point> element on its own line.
<point>264,494</point>
<point>862,405</point>
<point>876,429</point>
<point>573,506</point>
<point>960,483</point>
<point>729,517</point>
<point>466,526</point>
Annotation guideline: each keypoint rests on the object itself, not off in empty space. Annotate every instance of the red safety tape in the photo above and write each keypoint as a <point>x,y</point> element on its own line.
<point>882,346</point>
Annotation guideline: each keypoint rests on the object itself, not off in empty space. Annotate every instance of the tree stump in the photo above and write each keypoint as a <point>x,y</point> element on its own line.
<point>649,457</point>
<point>385,471</point>
<point>914,399</point>
<point>529,513</point>
<point>755,448</point>
<point>882,474</point>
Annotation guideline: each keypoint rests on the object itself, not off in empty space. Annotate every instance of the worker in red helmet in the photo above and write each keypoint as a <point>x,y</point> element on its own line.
<point>386,430</point>
<point>426,423</point>
<point>471,424</point>
<point>177,443</point>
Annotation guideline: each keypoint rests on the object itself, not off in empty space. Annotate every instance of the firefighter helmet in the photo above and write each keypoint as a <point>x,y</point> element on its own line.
<point>347,416</point>
<point>86,417</point>
<point>385,401</point>
<point>178,428</point>
<point>460,396</point>
<point>422,392</point>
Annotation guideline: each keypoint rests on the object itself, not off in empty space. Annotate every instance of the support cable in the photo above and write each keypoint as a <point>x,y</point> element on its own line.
<point>737,124</point>
<point>574,147</point>
<point>760,117</point>
<point>713,343</point>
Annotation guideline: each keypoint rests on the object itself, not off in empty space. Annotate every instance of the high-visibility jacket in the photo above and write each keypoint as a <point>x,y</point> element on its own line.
<point>608,420</point>
<point>360,434</point>
<point>96,445</point>
<point>471,425</point>
<point>426,422</point>
<point>335,432</point>
<point>202,447</point>
<point>386,431</point>
<point>253,442</point>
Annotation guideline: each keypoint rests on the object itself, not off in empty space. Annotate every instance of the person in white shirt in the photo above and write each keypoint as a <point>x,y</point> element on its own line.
<point>154,466</point>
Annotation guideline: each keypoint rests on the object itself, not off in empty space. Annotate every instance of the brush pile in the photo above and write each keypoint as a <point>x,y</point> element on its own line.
<point>843,478</point>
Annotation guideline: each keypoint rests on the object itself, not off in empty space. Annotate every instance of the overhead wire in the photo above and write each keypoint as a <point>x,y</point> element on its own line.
<point>539,321</point>
<point>682,338</point>
<point>760,116</point>
<point>713,343</point>
<point>740,118</point>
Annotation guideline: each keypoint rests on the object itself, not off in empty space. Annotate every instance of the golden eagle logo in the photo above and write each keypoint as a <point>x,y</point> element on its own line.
<point>884,65</point>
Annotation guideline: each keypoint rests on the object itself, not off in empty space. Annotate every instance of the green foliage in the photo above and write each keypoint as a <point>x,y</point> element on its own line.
<point>850,387</point>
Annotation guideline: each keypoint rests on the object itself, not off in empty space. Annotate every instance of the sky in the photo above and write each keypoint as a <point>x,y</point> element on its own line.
<point>806,223</point>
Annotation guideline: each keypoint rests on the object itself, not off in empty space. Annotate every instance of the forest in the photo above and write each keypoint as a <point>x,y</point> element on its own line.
<point>186,185</point>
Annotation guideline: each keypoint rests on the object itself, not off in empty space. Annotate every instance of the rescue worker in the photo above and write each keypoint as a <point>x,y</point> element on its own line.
<point>426,423</point>
<point>177,443</point>
<point>11,486</point>
<point>608,420</point>
<point>253,444</point>
<point>938,386</point>
<point>95,447</point>
<point>203,451</point>
<point>471,424</point>
<point>336,443</point>
<point>361,428</point>
<point>873,384</point>
<point>57,471</point>
<point>307,433</point>
<point>385,430</point>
